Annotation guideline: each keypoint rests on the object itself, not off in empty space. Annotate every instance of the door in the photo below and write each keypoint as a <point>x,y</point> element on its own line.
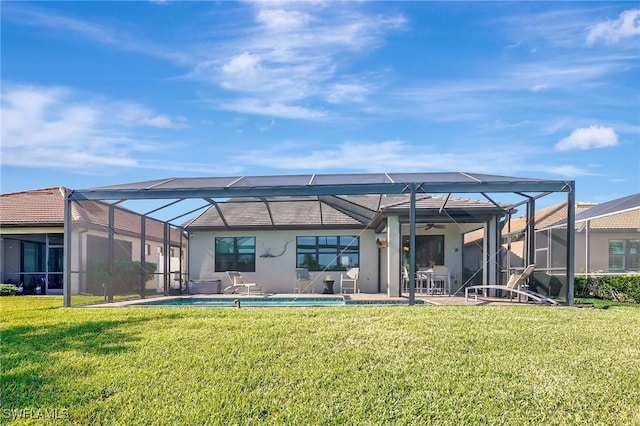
<point>55,270</point>
<point>429,249</point>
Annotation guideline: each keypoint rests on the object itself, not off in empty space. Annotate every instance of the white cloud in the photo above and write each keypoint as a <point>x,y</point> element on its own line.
<point>136,115</point>
<point>42,17</point>
<point>282,20</point>
<point>347,92</point>
<point>295,53</point>
<point>588,138</point>
<point>568,170</point>
<point>540,87</point>
<point>627,25</point>
<point>394,155</point>
<point>273,109</point>
<point>51,127</point>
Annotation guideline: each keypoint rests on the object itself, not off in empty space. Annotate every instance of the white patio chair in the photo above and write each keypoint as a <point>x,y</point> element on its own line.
<point>405,279</point>
<point>424,280</point>
<point>303,281</point>
<point>349,280</point>
<point>441,279</point>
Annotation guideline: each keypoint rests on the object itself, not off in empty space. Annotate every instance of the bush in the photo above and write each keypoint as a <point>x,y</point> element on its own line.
<point>8,290</point>
<point>620,288</point>
<point>127,276</point>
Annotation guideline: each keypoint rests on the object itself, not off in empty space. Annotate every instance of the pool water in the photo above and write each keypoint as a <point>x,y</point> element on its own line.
<point>264,302</point>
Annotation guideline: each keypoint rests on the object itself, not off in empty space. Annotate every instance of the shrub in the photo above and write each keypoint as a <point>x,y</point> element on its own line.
<point>127,276</point>
<point>621,288</point>
<point>8,290</point>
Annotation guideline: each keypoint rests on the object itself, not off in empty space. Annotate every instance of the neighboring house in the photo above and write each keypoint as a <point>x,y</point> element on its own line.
<point>267,239</point>
<point>607,237</point>
<point>32,240</point>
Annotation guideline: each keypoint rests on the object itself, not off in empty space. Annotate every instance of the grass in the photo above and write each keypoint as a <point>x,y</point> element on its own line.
<point>604,304</point>
<point>519,365</point>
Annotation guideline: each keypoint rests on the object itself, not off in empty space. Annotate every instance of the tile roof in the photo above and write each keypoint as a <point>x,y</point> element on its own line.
<point>40,207</point>
<point>344,210</point>
<point>45,207</point>
<point>298,211</point>
<point>628,220</point>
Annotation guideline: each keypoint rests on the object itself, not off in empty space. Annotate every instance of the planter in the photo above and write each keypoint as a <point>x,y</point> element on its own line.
<point>328,286</point>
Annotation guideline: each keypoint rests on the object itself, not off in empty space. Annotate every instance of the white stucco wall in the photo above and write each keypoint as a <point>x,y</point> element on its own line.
<point>277,274</point>
<point>598,249</point>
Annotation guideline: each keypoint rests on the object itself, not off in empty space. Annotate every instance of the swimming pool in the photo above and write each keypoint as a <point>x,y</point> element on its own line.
<point>265,302</point>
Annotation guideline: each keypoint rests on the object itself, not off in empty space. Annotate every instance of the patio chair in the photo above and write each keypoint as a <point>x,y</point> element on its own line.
<point>405,279</point>
<point>349,280</point>
<point>238,281</point>
<point>424,280</point>
<point>303,282</point>
<point>441,279</point>
<point>517,284</point>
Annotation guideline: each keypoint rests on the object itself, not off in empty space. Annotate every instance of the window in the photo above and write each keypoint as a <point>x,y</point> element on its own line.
<point>429,250</point>
<point>236,254</point>
<point>331,253</point>
<point>33,256</point>
<point>624,255</point>
<point>147,249</point>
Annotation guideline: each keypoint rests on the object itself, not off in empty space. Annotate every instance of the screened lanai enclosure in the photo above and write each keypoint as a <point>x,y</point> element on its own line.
<point>167,237</point>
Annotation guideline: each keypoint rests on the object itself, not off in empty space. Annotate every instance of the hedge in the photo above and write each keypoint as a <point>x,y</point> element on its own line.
<point>8,290</point>
<point>621,288</point>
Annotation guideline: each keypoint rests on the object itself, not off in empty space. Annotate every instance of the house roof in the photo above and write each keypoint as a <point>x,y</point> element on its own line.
<point>45,207</point>
<point>628,204</point>
<point>338,211</point>
<point>622,214</point>
<point>546,216</point>
<point>40,207</point>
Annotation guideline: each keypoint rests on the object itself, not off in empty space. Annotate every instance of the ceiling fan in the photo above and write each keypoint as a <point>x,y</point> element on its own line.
<point>434,226</point>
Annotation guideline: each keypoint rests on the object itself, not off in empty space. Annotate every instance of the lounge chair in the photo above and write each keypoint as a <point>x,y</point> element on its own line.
<point>517,284</point>
<point>238,281</point>
<point>349,280</point>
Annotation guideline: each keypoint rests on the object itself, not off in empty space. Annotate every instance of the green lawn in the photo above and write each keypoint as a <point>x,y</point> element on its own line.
<point>347,365</point>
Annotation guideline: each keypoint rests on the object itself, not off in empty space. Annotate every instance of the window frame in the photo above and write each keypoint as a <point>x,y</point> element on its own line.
<point>626,254</point>
<point>234,258</point>
<point>342,249</point>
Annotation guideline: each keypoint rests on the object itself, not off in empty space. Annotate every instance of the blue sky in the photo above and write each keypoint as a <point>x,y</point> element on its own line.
<point>100,93</point>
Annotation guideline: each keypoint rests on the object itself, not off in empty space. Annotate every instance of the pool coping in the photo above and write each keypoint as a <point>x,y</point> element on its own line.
<point>371,299</point>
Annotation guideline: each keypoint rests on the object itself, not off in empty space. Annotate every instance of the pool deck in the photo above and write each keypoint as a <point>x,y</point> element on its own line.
<point>457,300</point>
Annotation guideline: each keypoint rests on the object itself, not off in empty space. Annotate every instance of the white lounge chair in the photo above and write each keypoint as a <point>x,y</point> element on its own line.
<point>238,281</point>
<point>515,285</point>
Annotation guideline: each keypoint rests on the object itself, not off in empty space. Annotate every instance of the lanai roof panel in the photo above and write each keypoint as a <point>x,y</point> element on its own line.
<point>310,184</point>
